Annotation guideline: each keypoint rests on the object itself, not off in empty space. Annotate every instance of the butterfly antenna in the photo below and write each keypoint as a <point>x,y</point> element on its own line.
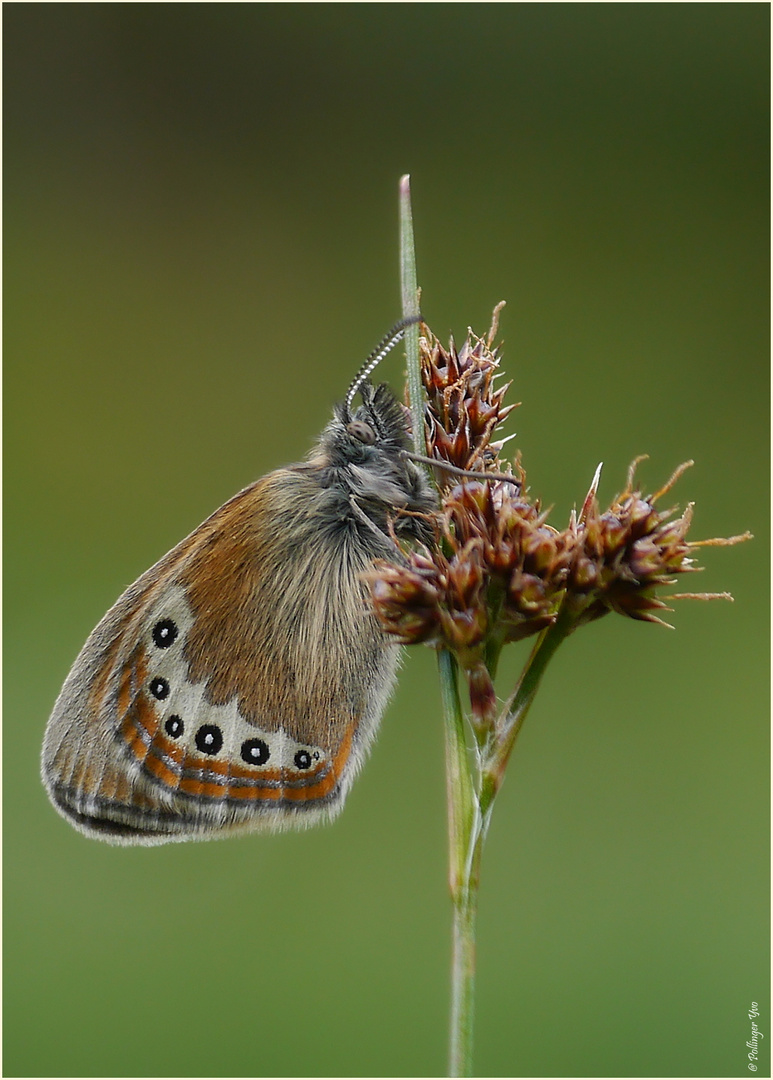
<point>385,346</point>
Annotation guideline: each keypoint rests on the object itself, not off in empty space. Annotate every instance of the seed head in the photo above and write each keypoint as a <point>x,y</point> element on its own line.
<point>496,571</point>
<point>463,406</point>
<point>623,554</point>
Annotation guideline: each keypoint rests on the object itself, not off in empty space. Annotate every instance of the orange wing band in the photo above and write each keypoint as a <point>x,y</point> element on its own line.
<point>204,778</point>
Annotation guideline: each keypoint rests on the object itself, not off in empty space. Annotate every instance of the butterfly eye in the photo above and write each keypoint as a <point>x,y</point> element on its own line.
<point>361,431</point>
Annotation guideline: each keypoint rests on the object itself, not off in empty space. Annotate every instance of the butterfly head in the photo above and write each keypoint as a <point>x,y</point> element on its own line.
<point>377,428</point>
<point>361,458</point>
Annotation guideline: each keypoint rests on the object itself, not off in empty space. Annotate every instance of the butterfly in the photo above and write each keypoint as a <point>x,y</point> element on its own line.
<point>238,684</point>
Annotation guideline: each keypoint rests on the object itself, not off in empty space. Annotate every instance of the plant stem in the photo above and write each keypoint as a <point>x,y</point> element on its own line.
<point>410,299</point>
<point>470,790</point>
<point>465,835</point>
<point>470,803</point>
<point>465,832</point>
<point>494,763</point>
<point>463,983</point>
<point>519,702</point>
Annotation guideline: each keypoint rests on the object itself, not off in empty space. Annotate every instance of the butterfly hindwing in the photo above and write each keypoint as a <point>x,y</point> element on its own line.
<point>216,697</point>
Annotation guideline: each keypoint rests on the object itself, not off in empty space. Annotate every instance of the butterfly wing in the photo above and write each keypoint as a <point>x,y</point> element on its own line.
<point>235,686</point>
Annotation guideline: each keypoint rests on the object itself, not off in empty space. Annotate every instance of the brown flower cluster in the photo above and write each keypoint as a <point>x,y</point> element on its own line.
<point>497,574</point>
<point>463,407</point>
<point>622,554</point>
<point>497,571</point>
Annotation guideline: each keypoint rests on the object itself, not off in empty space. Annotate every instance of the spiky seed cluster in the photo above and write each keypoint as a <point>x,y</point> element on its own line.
<point>525,561</point>
<point>623,554</point>
<point>463,407</point>
<point>498,572</point>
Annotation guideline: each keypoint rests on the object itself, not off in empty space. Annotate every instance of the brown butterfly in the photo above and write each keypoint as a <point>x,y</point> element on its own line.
<point>238,683</point>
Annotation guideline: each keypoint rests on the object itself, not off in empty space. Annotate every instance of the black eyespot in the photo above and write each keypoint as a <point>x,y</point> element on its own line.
<point>159,688</point>
<point>361,431</point>
<point>173,726</point>
<point>209,739</point>
<point>255,752</point>
<point>302,759</point>
<point>164,633</point>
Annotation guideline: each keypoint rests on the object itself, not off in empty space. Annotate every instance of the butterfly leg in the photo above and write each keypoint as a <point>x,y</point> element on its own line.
<point>385,538</point>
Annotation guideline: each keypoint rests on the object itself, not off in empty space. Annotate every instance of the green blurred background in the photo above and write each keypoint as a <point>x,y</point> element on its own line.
<point>201,247</point>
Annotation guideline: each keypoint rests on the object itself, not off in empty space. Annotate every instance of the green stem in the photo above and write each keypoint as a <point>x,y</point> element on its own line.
<point>465,834</point>
<point>470,803</point>
<point>470,792</point>
<point>463,984</point>
<point>410,300</point>
<point>516,708</point>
